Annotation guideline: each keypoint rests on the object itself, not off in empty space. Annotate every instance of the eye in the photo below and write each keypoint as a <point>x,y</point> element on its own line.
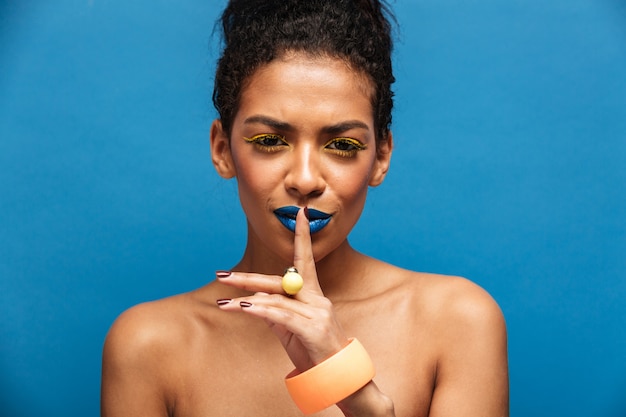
<point>345,147</point>
<point>267,142</point>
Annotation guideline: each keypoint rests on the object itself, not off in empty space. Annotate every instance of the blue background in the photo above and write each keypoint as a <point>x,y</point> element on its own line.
<point>509,169</point>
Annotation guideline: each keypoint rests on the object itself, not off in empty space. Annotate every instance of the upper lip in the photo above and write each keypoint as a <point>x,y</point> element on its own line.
<point>292,211</point>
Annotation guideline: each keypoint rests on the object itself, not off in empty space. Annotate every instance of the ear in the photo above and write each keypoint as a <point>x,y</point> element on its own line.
<point>220,151</point>
<point>383,159</point>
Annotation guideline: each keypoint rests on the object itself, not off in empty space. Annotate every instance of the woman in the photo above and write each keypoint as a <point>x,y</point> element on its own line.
<point>304,101</point>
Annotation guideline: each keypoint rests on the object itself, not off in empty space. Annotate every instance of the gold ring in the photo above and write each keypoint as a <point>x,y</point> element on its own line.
<point>292,281</point>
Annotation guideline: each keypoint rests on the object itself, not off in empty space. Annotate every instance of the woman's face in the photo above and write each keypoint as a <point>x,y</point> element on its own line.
<point>303,136</point>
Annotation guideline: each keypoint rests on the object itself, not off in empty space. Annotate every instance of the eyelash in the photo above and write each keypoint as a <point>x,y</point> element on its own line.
<point>353,144</point>
<point>257,141</point>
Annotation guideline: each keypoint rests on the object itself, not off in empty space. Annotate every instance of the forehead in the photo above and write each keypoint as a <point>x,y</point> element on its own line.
<point>300,83</point>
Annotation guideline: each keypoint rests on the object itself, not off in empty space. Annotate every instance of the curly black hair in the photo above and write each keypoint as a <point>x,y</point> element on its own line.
<point>255,32</point>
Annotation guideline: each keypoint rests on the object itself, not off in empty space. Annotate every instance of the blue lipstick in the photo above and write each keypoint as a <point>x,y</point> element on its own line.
<point>287,216</point>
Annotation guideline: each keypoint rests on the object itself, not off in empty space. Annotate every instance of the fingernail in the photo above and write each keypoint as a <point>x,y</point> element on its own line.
<point>224,301</point>
<point>306,212</point>
<point>222,274</point>
<point>245,304</point>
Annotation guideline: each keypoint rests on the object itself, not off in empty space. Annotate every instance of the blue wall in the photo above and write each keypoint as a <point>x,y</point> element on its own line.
<point>509,169</point>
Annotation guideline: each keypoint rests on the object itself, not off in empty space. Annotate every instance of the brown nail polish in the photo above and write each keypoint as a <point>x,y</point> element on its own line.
<point>245,304</point>
<point>306,213</point>
<point>224,301</point>
<point>222,274</point>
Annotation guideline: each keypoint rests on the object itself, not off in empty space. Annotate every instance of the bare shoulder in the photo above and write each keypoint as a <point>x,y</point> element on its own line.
<point>164,330</point>
<point>450,299</point>
<point>466,331</point>
<point>452,306</point>
<point>153,349</point>
<point>145,334</point>
<point>459,299</point>
<point>139,356</point>
<point>141,323</point>
<point>451,303</point>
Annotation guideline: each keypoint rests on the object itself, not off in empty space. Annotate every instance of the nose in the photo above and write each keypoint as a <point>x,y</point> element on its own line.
<point>304,177</point>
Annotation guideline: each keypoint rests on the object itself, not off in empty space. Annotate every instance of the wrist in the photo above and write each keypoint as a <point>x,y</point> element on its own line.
<point>332,380</point>
<point>369,401</point>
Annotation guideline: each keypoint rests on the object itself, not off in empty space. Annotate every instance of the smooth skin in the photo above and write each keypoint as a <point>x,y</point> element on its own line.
<point>438,342</point>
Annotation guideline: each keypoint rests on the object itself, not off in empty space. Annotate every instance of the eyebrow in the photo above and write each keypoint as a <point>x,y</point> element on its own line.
<point>268,121</point>
<point>331,130</point>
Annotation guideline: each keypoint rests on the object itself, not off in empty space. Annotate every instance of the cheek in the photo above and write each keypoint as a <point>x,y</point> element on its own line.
<point>352,183</point>
<point>255,181</point>
<point>251,185</point>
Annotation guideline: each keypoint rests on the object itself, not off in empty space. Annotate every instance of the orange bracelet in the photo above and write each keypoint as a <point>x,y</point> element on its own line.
<point>332,380</point>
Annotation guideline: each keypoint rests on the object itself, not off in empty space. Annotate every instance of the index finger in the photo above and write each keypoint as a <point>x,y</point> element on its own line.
<point>303,251</point>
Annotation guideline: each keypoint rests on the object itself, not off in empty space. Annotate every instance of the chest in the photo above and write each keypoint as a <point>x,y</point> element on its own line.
<point>259,391</point>
<point>247,378</point>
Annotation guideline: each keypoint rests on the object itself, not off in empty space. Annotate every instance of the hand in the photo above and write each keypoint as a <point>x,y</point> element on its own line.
<point>305,323</point>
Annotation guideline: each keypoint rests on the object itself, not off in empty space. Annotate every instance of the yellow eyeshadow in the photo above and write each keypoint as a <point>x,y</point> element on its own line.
<point>264,136</point>
<point>267,142</point>
<point>341,146</point>
<point>353,142</point>
<point>344,147</point>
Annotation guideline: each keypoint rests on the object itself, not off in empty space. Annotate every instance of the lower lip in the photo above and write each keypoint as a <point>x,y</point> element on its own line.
<point>315,225</point>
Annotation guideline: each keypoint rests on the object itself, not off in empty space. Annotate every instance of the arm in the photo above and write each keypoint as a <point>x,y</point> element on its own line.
<point>472,373</point>
<point>368,401</point>
<point>130,375</point>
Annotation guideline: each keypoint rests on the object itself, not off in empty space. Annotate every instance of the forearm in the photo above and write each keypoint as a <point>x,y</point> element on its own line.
<point>369,401</point>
